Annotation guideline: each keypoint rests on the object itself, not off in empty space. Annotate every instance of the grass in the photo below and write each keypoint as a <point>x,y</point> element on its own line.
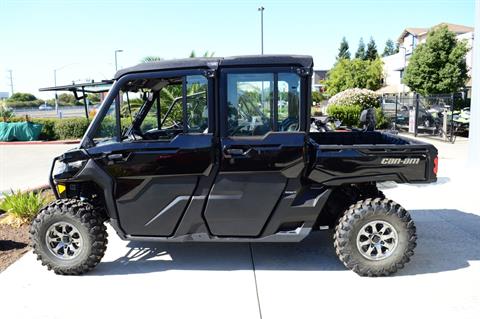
<point>22,207</point>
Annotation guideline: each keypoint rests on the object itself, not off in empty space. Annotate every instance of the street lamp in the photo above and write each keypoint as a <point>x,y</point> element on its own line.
<point>261,25</point>
<point>55,82</point>
<point>116,66</point>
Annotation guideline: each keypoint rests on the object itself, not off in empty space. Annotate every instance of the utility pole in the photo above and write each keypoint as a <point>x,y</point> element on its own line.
<point>474,129</point>
<point>261,9</point>
<point>11,81</point>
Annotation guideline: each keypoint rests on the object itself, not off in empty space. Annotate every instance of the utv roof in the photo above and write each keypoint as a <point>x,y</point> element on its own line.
<point>213,63</point>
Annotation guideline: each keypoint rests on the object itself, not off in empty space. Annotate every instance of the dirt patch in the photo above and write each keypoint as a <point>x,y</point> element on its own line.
<point>13,244</point>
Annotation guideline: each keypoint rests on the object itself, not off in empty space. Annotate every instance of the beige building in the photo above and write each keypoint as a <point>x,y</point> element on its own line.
<point>394,65</point>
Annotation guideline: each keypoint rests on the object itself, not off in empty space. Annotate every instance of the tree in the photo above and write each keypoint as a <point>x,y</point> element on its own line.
<point>23,100</point>
<point>206,54</point>
<point>343,52</point>
<point>21,97</point>
<point>372,52</point>
<point>390,48</point>
<point>360,54</point>
<point>438,65</point>
<point>151,58</point>
<point>354,73</point>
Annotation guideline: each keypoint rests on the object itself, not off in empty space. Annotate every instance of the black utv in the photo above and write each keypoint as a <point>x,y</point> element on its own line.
<point>219,149</point>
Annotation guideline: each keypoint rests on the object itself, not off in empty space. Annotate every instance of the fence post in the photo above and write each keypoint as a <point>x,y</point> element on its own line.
<point>452,132</point>
<point>417,105</point>
<point>395,118</point>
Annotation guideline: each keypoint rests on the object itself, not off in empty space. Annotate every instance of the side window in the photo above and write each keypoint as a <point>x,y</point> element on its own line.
<point>197,108</point>
<point>252,110</point>
<point>288,101</point>
<point>249,102</point>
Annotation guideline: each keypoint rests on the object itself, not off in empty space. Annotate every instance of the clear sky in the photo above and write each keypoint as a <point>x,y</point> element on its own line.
<point>79,37</point>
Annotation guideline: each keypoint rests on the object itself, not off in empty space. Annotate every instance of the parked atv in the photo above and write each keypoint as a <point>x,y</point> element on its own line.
<point>238,164</point>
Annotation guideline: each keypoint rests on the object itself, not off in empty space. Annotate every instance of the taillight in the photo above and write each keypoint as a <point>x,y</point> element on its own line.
<point>435,165</point>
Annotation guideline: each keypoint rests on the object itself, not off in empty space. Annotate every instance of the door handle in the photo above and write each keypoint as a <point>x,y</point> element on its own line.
<point>116,157</point>
<point>234,151</point>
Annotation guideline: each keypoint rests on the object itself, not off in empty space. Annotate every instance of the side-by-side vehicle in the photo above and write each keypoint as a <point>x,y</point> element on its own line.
<point>219,149</point>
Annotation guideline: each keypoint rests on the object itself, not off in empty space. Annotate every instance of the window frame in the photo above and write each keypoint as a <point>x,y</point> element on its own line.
<point>113,95</point>
<point>274,70</point>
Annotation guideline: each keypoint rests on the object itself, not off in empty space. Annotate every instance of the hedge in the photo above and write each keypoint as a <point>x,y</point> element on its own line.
<point>347,106</point>
<point>350,115</point>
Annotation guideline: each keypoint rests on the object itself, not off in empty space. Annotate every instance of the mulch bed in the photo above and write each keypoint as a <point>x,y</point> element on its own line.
<point>13,244</point>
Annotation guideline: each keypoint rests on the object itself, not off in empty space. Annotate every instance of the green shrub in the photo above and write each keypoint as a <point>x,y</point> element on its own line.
<point>349,104</point>
<point>23,206</point>
<point>24,104</point>
<point>382,122</point>
<point>348,114</point>
<point>6,113</point>
<point>71,128</point>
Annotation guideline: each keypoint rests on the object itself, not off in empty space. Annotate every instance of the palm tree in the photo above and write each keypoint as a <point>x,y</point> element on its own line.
<point>171,92</point>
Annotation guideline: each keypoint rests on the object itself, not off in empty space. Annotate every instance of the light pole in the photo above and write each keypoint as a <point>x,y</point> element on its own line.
<point>11,80</point>
<point>55,82</point>
<point>261,25</point>
<point>116,66</point>
<point>404,67</point>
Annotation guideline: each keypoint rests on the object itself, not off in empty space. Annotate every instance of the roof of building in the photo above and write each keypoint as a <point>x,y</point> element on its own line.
<point>213,63</point>
<point>456,28</point>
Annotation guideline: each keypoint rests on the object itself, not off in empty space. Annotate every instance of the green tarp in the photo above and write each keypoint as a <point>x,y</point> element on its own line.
<point>19,131</point>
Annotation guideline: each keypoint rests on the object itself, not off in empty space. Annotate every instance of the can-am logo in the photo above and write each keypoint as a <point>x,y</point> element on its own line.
<point>400,161</point>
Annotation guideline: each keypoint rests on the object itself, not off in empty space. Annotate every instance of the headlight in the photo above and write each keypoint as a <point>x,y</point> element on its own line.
<point>67,170</point>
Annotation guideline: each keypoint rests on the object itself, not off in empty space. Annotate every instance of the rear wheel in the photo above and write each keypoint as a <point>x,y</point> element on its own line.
<point>375,237</point>
<point>68,237</point>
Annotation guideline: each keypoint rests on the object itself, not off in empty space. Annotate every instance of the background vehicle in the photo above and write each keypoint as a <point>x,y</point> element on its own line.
<point>220,150</point>
<point>45,107</point>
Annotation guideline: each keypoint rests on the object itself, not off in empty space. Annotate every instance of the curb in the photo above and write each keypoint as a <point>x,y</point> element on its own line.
<point>40,142</point>
<point>32,189</point>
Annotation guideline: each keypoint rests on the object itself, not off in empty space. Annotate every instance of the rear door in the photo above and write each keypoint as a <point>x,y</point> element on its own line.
<point>262,147</point>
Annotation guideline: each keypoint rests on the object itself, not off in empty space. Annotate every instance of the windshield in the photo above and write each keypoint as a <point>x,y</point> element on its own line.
<point>158,109</point>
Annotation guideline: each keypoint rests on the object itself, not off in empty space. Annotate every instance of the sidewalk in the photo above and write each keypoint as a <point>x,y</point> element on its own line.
<point>301,280</point>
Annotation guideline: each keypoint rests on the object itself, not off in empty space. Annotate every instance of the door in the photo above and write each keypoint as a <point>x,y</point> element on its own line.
<point>163,155</point>
<point>261,148</point>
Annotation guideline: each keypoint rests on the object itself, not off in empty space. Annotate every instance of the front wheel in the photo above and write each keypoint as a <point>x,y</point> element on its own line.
<point>375,237</point>
<point>68,237</point>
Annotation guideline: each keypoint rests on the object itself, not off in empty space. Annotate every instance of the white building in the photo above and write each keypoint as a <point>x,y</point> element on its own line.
<point>410,38</point>
<point>318,77</point>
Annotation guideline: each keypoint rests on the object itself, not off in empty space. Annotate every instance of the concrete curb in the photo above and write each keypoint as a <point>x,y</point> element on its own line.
<point>40,142</point>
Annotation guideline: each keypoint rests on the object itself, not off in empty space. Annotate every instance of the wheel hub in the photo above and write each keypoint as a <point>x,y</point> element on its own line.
<point>377,240</point>
<point>64,240</point>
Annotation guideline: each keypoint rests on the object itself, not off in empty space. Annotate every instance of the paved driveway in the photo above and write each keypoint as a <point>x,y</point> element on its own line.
<point>302,280</point>
<point>27,166</point>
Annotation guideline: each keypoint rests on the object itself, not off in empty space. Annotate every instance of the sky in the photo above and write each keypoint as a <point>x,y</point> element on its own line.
<point>79,38</point>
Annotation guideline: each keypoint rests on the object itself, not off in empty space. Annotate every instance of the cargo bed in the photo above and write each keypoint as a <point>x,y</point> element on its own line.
<point>354,157</point>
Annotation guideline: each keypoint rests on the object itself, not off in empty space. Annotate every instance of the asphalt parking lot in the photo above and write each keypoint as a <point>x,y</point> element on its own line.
<point>275,280</point>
